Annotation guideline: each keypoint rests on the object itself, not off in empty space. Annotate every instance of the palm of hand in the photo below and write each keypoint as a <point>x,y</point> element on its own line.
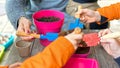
<point>112,47</point>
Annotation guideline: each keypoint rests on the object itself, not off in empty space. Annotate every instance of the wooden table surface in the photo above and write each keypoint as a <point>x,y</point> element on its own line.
<point>96,52</point>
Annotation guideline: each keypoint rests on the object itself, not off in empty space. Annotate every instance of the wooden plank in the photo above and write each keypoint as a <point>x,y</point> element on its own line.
<point>97,52</point>
<point>37,47</point>
<point>14,55</point>
<point>104,60</point>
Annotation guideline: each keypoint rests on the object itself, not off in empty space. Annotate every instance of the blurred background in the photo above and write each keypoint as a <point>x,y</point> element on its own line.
<point>5,25</point>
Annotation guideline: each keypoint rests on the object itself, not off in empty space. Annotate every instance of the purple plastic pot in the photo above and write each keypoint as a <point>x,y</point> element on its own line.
<point>44,27</point>
<point>81,63</point>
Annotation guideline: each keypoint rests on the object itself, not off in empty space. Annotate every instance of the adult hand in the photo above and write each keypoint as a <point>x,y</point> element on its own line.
<point>24,26</point>
<point>15,65</point>
<point>73,38</point>
<point>111,46</point>
<point>88,16</point>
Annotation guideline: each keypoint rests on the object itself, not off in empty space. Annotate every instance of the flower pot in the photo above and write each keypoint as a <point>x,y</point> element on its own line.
<point>23,48</point>
<point>82,52</point>
<point>44,27</point>
<point>81,63</point>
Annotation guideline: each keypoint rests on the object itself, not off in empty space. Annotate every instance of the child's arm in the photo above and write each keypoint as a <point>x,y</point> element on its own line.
<point>111,12</point>
<point>54,56</point>
<point>3,66</point>
<point>111,46</point>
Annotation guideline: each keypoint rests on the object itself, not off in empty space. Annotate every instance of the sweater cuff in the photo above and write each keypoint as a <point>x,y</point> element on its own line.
<point>67,46</point>
<point>103,20</point>
<point>4,66</point>
<point>117,60</point>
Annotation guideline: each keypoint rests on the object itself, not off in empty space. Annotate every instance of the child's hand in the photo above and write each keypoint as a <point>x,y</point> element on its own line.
<point>15,65</point>
<point>88,16</point>
<point>73,38</point>
<point>104,32</point>
<point>112,46</point>
<point>24,26</point>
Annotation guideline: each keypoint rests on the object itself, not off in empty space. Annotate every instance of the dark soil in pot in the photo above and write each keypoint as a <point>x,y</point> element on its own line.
<point>48,19</point>
<point>82,50</point>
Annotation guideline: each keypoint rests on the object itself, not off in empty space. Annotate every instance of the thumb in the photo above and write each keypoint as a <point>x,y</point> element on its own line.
<point>78,36</point>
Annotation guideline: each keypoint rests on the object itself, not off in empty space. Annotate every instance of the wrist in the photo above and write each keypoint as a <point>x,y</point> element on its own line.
<point>97,15</point>
<point>71,41</point>
<point>21,18</point>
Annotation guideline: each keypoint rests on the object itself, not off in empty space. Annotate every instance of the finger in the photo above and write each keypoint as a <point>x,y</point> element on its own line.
<point>86,19</point>
<point>27,26</point>
<point>78,36</point>
<point>84,11</point>
<point>106,31</point>
<point>34,31</point>
<point>82,18</point>
<point>20,28</point>
<point>90,20</point>
<point>80,12</point>
<point>100,33</point>
<point>83,21</point>
<point>104,40</point>
<point>27,29</point>
<point>18,63</point>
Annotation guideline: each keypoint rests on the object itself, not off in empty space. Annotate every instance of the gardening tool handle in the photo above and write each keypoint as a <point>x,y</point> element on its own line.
<point>18,33</point>
<point>78,15</point>
<point>77,30</point>
<point>111,35</point>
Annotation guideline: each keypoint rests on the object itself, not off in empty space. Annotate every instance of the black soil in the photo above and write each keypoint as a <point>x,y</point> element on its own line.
<point>83,43</point>
<point>82,50</point>
<point>48,19</point>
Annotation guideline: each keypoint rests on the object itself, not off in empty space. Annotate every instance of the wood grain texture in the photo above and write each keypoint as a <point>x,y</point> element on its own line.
<point>104,60</point>
<point>96,52</point>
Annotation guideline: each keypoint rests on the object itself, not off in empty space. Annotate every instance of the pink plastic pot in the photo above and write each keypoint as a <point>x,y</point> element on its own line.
<point>81,63</point>
<point>82,55</point>
<point>44,27</point>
